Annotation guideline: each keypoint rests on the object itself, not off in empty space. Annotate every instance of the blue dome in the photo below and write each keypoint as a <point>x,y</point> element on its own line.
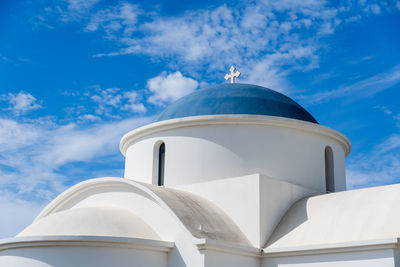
<point>244,99</point>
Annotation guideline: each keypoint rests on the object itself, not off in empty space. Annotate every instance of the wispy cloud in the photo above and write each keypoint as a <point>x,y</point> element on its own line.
<point>88,118</point>
<point>81,5</point>
<point>379,166</point>
<point>64,11</point>
<point>265,48</point>
<point>132,103</point>
<point>70,10</point>
<point>97,103</point>
<point>33,153</point>
<point>360,60</point>
<point>120,19</point>
<point>360,89</point>
<point>166,88</point>
<point>39,158</point>
<point>266,40</point>
<point>21,103</point>
<point>373,8</point>
<point>33,156</point>
<point>385,109</point>
<point>250,36</point>
<point>106,99</point>
<point>116,102</point>
<point>17,213</point>
<point>3,58</point>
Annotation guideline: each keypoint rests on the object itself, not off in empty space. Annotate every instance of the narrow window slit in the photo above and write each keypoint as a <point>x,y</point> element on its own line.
<point>161,164</point>
<point>329,170</point>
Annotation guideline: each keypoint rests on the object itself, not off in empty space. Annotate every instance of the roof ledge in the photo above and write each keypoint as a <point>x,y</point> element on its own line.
<point>86,241</point>
<point>156,127</point>
<point>225,247</point>
<point>353,246</point>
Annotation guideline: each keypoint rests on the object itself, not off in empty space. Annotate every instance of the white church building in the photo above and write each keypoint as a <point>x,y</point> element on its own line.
<point>230,175</point>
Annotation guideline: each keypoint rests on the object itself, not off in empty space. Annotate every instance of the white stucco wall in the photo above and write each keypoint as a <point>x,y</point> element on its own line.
<point>79,252</point>
<point>206,148</point>
<point>255,202</point>
<point>218,258</point>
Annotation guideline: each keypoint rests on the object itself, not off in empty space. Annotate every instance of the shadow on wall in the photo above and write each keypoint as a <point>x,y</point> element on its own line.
<point>288,223</point>
<point>175,258</point>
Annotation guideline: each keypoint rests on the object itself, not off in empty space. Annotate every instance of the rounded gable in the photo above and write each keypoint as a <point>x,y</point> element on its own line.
<point>91,221</point>
<point>348,216</point>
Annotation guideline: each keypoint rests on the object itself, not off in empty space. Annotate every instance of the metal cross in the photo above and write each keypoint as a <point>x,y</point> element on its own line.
<point>233,74</point>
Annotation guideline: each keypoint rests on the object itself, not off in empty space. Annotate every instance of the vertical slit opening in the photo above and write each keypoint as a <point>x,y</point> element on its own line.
<point>329,170</point>
<point>161,164</point>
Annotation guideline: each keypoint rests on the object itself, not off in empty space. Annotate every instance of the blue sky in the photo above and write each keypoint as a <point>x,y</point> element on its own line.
<point>76,75</point>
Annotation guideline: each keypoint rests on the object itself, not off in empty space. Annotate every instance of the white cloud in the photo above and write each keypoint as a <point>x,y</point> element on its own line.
<point>66,11</point>
<point>81,5</point>
<point>353,18</point>
<point>213,39</point>
<point>381,164</point>
<point>373,8</point>
<point>385,109</point>
<point>132,103</point>
<point>249,36</point>
<point>255,36</point>
<point>169,87</point>
<point>22,102</point>
<point>106,98</point>
<point>17,214</point>
<point>14,135</point>
<point>32,154</point>
<point>3,58</point>
<point>88,118</point>
<point>267,70</point>
<point>113,19</point>
<point>377,167</point>
<point>363,88</point>
<point>362,2</point>
<point>111,99</point>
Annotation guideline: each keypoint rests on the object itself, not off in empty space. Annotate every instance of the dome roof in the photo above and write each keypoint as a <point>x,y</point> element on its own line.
<point>243,99</point>
<point>92,221</point>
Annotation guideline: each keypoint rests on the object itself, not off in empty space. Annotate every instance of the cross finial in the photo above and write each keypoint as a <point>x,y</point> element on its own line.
<point>232,75</point>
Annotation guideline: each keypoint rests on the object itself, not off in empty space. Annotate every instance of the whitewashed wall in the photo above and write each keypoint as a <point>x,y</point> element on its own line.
<point>205,148</point>
<point>256,203</point>
<point>34,255</point>
<point>220,258</point>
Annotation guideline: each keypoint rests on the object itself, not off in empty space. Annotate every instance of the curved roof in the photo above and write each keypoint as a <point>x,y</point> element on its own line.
<point>91,221</point>
<point>243,99</point>
<point>187,209</point>
<point>349,216</point>
<point>193,211</point>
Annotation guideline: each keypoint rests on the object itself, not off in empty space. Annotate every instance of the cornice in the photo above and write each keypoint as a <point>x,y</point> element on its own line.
<point>86,241</point>
<point>156,127</point>
<point>356,246</point>
<point>212,245</point>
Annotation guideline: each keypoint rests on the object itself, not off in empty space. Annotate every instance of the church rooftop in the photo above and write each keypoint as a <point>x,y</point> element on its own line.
<point>235,98</point>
